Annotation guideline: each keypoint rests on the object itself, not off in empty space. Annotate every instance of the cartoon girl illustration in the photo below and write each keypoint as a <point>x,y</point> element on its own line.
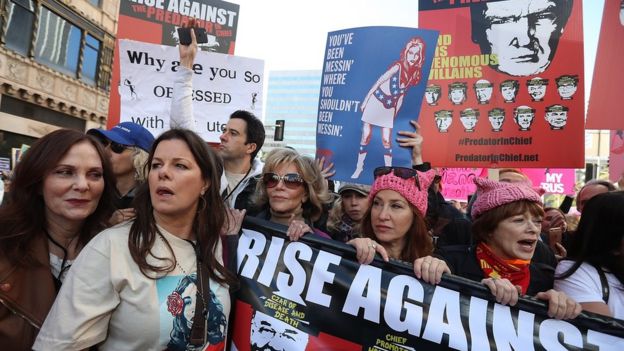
<point>384,100</point>
<point>180,305</point>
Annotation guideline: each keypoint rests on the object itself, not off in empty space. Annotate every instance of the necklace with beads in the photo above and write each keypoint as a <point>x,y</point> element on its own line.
<point>198,281</point>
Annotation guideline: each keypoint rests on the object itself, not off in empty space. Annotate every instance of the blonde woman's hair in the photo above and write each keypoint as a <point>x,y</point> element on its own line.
<point>315,185</point>
<point>139,162</point>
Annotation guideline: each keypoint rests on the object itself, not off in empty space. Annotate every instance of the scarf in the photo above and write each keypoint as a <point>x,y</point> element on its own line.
<point>517,271</point>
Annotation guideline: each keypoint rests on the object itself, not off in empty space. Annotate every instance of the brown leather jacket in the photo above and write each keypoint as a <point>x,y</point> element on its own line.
<point>26,296</point>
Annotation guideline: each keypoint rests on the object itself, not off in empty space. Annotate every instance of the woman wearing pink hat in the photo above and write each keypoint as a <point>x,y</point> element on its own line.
<point>394,224</point>
<point>506,227</point>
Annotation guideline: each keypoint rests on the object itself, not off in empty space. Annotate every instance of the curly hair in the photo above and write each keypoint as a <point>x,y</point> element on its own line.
<point>315,184</point>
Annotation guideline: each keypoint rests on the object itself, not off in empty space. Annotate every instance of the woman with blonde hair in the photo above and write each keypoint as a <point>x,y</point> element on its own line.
<point>292,192</point>
<point>127,145</point>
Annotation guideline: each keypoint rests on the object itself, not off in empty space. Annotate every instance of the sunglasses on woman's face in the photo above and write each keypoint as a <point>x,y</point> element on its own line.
<point>401,172</point>
<point>291,180</point>
<point>115,147</point>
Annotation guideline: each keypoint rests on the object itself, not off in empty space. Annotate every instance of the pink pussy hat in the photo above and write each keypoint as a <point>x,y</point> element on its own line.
<point>407,187</point>
<point>491,194</point>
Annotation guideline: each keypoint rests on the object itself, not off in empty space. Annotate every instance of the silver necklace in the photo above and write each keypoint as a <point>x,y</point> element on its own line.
<point>198,276</point>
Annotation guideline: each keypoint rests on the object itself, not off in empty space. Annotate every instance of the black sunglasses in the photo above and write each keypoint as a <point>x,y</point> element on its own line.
<point>401,172</point>
<point>115,147</point>
<point>291,180</point>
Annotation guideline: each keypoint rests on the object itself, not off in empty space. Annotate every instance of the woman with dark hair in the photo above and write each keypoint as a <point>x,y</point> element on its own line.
<point>394,225</point>
<point>157,281</point>
<point>61,196</point>
<point>593,272</point>
<point>506,227</point>
<point>292,192</point>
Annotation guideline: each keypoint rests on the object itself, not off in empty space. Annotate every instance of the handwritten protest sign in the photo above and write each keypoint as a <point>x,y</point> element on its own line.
<point>156,22</point>
<point>222,84</point>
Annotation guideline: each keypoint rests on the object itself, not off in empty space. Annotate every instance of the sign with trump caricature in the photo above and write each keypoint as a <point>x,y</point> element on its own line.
<point>507,92</point>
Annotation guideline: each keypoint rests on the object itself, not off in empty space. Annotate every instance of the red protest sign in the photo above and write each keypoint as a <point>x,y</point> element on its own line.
<point>606,95</point>
<point>505,88</point>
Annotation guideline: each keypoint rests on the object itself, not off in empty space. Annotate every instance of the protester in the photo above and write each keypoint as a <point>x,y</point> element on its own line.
<point>555,230</point>
<point>127,145</point>
<point>345,217</point>
<point>507,222</point>
<point>593,273</point>
<point>169,255</point>
<point>394,225</point>
<point>61,196</point>
<point>291,192</point>
<point>591,189</point>
<point>241,140</point>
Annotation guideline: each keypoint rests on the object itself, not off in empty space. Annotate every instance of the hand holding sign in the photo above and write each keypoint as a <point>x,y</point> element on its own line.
<point>189,51</point>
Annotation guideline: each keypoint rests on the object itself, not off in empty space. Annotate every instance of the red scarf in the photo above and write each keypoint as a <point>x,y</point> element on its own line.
<point>517,271</point>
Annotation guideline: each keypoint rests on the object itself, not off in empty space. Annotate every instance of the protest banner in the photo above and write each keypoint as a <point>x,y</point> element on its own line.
<point>606,93</point>
<point>372,86</point>
<point>506,84</point>
<point>156,22</point>
<point>458,184</point>
<point>221,84</point>
<point>616,156</point>
<point>552,180</point>
<point>313,295</point>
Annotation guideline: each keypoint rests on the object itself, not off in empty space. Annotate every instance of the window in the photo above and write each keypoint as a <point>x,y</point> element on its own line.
<point>95,3</point>
<point>90,58</point>
<point>28,110</point>
<point>64,41</point>
<point>58,42</point>
<point>20,18</point>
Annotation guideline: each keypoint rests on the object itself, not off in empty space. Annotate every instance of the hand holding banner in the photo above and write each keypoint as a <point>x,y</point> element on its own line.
<point>313,295</point>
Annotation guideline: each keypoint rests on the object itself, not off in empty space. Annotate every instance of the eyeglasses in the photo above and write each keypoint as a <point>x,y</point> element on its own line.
<point>401,172</point>
<point>115,147</point>
<point>291,180</point>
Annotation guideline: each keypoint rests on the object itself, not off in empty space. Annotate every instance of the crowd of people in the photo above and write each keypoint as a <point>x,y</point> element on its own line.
<point>114,240</point>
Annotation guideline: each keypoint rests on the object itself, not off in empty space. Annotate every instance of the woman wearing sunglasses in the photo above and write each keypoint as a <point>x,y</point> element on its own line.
<point>61,196</point>
<point>291,192</point>
<point>394,225</point>
<point>506,227</point>
<point>127,145</point>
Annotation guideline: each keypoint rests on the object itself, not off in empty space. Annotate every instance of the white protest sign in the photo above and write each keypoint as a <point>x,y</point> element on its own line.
<point>222,84</point>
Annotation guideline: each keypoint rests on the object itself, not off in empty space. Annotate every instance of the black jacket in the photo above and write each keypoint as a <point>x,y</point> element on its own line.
<point>462,260</point>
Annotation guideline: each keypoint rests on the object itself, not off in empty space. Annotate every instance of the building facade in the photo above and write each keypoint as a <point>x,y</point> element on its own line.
<point>293,96</point>
<point>55,67</point>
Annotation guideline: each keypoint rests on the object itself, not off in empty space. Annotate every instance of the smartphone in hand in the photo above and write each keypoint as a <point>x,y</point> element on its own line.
<point>184,35</point>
